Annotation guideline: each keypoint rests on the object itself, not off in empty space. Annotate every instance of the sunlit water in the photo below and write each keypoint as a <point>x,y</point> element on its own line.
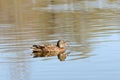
<point>93,36</point>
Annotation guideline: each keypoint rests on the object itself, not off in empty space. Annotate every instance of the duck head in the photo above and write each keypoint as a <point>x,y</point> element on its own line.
<point>61,44</point>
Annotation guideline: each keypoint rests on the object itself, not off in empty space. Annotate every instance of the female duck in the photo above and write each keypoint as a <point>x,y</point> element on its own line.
<point>49,49</point>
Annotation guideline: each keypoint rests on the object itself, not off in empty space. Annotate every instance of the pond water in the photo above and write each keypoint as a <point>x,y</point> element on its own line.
<point>92,32</point>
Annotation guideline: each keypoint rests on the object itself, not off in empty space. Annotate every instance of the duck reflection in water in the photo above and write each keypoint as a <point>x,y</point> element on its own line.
<point>62,56</point>
<point>46,50</point>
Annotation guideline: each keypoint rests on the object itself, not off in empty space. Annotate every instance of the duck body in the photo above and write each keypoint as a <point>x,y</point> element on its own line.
<point>49,49</point>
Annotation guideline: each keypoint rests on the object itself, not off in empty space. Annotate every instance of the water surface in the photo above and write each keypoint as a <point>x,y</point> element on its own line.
<point>91,28</point>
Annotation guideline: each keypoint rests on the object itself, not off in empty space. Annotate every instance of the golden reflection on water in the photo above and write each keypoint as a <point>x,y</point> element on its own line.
<point>27,22</point>
<point>24,23</point>
<point>30,22</point>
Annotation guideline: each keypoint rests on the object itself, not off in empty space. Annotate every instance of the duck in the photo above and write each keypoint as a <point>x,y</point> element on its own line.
<point>50,49</point>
